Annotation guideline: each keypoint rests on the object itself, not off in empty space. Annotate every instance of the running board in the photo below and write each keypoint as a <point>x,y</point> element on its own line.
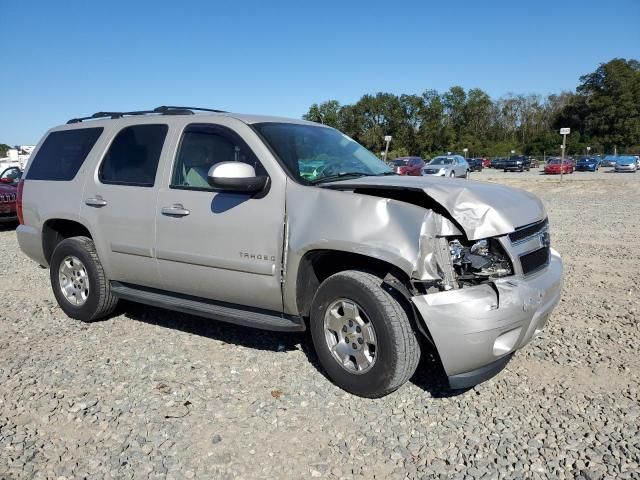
<point>225,312</point>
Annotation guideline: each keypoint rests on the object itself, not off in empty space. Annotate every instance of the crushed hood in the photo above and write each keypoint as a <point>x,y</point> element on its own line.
<point>481,209</point>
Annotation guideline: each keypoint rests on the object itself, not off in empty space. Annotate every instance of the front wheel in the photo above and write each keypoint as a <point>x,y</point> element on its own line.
<point>78,280</point>
<point>466,175</point>
<point>362,334</point>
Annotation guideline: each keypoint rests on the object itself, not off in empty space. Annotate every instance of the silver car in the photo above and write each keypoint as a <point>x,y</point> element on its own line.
<point>447,166</point>
<point>626,163</point>
<point>288,225</point>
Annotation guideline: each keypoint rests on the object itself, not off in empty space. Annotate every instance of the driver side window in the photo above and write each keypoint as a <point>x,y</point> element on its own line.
<point>203,146</point>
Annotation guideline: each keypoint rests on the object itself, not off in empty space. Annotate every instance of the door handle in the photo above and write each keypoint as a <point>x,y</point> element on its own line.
<point>96,201</point>
<point>177,210</point>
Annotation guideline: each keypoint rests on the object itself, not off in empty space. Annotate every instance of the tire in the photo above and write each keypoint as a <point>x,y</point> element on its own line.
<point>99,301</point>
<point>505,170</point>
<point>466,175</point>
<point>452,174</point>
<point>397,348</point>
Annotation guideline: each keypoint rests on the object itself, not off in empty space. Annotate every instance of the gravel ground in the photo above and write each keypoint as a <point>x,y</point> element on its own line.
<point>155,394</point>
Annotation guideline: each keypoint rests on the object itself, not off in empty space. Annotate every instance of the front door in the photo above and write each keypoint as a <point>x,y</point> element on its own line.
<point>119,204</point>
<point>216,245</point>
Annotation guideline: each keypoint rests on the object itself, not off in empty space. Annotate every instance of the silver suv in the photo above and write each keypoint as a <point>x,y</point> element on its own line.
<point>286,225</point>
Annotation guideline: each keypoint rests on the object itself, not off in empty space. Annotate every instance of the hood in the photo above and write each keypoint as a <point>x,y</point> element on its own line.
<point>481,209</point>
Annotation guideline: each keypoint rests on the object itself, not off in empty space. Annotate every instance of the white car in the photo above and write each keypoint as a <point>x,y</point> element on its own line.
<point>447,166</point>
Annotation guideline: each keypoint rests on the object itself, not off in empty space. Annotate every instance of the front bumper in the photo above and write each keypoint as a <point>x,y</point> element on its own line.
<point>625,168</point>
<point>8,213</point>
<point>476,329</point>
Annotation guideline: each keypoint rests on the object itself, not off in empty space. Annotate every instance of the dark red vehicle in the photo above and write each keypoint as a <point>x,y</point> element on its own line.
<point>9,179</point>
<point>553,167</point>
<point>408,166</point>
<point>486,162</point>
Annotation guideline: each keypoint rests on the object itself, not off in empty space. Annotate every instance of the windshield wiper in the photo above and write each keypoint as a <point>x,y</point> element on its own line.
<point>384,174</point>
<point>338,176</point>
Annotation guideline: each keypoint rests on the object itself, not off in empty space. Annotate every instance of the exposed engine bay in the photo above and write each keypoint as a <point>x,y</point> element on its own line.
<point>477,262</point>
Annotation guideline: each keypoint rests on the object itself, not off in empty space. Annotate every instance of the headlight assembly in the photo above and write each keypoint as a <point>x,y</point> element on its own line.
<point>479,261</point>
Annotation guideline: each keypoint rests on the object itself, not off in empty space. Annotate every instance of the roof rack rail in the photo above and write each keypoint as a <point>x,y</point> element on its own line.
<point>167,109</point>
<point>162,110</point>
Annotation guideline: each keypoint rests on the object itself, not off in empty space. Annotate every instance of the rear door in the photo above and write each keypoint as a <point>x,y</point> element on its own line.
<point>218,245</point>
<point>119,203</point>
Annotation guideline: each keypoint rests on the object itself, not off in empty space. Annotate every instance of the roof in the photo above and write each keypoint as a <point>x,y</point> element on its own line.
<point>172,111</point>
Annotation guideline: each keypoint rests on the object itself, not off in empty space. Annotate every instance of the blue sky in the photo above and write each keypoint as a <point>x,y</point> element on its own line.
<point>68,58</point>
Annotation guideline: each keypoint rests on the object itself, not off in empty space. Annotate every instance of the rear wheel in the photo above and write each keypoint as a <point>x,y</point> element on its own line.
<point>362,334</point>
<point>78,280</point>
<point>452,174</point>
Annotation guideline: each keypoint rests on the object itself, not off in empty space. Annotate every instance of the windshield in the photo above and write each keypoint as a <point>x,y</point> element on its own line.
<point>441,161</point>
<point>625,160</point>
<point>400,163</point>
<point>315,153</point>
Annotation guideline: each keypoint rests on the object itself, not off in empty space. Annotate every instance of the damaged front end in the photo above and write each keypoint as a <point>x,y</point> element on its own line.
<point>449,262</point>
<point>482,307</point>
<point>483,278</point>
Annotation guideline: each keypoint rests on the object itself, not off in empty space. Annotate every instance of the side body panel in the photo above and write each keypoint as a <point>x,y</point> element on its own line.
<point>43,200</point>
<point>324,219</point>
<point>229,246</point>
<point>124,229</point>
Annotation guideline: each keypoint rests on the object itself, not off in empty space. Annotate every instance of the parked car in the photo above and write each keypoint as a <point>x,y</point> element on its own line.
<point>587,164</point>
<point>408,165</point>
<point>447,166</point>
<point>517,164</point>
<point>534,162</point>
<point>227,227</point>
<point>557,166</point>
<point>609,161</point>
<point>498,162</point>
<point>9,179</point>
<point>626,163</point>
<point>475,164</point>
<point>486,162</point>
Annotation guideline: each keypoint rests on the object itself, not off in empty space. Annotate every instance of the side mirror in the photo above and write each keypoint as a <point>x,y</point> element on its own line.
<point>236,177</point>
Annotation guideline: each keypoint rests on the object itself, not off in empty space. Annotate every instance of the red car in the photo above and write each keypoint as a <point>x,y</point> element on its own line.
<point>408,166</point>
<point>486,162</point>
<point>9,179</point>
<point>553,167</point>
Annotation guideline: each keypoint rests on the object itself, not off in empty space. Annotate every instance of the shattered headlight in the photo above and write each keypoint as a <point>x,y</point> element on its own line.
<point>480,260</point>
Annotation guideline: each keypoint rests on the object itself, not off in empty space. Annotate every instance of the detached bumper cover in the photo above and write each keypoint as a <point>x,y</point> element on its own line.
<point>476,327</point>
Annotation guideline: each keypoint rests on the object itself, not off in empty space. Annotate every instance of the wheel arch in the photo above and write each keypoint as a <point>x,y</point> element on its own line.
<point>56,230</point>
<point>317,265</point>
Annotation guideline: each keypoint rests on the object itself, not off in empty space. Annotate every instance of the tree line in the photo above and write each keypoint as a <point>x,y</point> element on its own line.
<point>603,113</point>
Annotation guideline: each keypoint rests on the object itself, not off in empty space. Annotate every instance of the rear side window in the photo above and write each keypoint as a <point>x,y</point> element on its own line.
<point>62,154</point>
<point>132,158</point>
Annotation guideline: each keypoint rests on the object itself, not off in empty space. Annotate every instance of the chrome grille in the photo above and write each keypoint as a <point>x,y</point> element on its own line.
<point>530,245</point>
<point>533,261</point>
<point>524,233</point>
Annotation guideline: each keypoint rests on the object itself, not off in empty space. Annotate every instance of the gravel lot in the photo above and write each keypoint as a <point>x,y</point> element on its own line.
<point>155,394</point>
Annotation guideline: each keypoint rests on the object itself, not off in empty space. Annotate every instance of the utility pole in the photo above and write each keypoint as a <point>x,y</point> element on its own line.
<point>387,139</point>
<point>564,132</point>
